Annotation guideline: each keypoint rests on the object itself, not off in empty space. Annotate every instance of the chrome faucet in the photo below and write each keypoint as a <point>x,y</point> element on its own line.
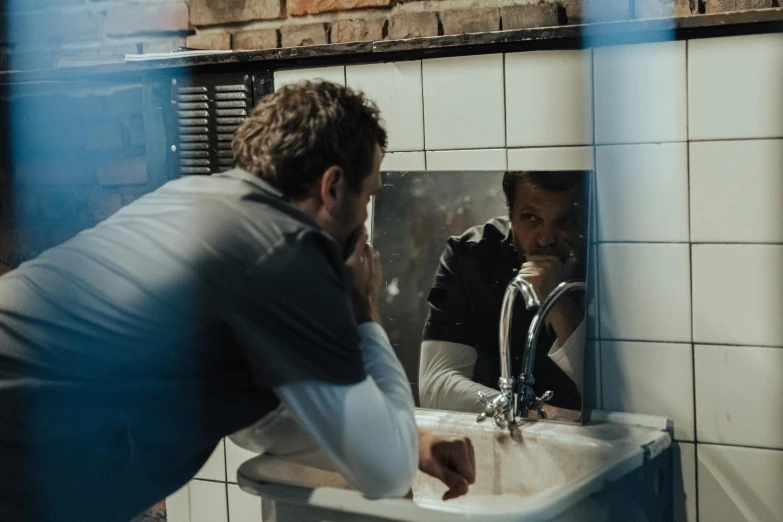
<point>512,402</point>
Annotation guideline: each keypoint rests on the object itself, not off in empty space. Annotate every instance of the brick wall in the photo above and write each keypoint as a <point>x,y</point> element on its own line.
<point>47,33</point>
<point>78,157</point>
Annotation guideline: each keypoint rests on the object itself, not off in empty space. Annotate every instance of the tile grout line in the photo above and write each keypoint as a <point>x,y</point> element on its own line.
<point>690,263</point>
<point>742,446</point>
<point>595,247</point>
<point>423,116</point>
<point>505,106</point>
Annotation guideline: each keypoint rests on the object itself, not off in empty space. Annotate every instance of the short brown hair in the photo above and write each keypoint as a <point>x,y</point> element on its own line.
<point>292,136</point>
<point>548,180</point>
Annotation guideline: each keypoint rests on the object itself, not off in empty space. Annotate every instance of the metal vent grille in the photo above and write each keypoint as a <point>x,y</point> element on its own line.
<point>207,111</point>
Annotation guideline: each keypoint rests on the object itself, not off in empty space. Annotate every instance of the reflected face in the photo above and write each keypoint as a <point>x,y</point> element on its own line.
<point>547,222</point>
<point>353,212</point>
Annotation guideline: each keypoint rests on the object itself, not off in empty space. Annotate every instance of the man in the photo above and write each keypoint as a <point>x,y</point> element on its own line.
<point>542,239</point>
<point>127,352</point>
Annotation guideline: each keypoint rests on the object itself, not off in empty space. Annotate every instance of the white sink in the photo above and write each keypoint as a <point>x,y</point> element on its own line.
<point>547,471</point>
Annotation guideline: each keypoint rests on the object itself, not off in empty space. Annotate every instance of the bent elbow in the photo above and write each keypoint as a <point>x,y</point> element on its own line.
<point>392,481</point>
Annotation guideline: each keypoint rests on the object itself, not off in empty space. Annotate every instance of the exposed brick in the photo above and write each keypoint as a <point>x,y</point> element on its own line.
<point>27,60</point>
<point>259,39</point>
<point>357,30</point>
<point>527,16</point>
<point>135,128</point>
<point>124,171</point>
<point>605,10</point>
<point>661,8</point>
<point>210,41</point>
<point>63,172</point>
<point>104,204</point>
<point>308,7</point>
<point>104,136</point>
<point>55,203</point>
<point>413,25</point>
<point>721,6</point>
<point>124,102</point>
<point>301,35</point>
<point>80,60</point>
<point>573,9</point>
<point>211,12</point>
<point>132,193</point>
<point>166,45</point>
<point>25,203</point>
<point>34,28</point>
<point>39,4</point>
<point>146,18</point>
<point>475,20</point>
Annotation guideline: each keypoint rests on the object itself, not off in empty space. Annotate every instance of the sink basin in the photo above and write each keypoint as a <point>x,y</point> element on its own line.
<point>545,471</point>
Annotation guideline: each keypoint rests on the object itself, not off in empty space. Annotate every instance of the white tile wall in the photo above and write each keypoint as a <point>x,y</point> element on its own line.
<point>592,390</point>
<point>178,505</point>
<point>633,181</point>
<point>549,98</point>
<point>738,395</point>
<point>737,484</point>
<point>215,467</point>
<point>592,326</point>
<point>654,378</point>
<point>644,292</point>
<point>463,102</point>
<point>738,294</point>
<point>208,501</point>
<point>235,456</point>
<point>482,159</point>
<point>684,482</point>
<point>396,88</point>
<point>551,158</point>
<point>242,506</point>
<point>334,74</point>
<point>403,161</point>
<point>737,191</point>
<point>734,87</point>
<point>652,284</point>
<point>640,93</point>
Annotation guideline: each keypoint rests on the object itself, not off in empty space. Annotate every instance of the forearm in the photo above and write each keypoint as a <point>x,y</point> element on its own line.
<point>445,379</point>
<point>565,318</point>
<point>342,427</point>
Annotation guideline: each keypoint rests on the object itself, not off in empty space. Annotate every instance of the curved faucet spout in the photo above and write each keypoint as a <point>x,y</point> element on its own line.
<point>527,397</point>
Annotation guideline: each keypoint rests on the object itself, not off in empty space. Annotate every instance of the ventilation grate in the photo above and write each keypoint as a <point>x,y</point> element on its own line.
<point>207,112</point>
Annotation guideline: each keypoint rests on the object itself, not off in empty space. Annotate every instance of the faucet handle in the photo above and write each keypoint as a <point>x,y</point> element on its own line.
<point>538,404</point>
<point>496,408</point>
<point>489,409</point>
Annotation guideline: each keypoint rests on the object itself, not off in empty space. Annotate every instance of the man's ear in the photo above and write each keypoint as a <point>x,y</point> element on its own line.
<point>333,186</point>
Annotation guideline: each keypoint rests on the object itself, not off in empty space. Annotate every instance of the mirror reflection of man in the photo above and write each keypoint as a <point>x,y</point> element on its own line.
<point>542,239</point>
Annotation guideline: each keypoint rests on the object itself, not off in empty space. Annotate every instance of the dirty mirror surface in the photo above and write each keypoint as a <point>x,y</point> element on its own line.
<point>449,248</point>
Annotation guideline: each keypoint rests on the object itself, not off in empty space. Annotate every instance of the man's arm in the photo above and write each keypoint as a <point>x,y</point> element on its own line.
<point>570,356</point>
<point>447,458</point>
<point>345,387</point>
<point>448,356</point>
<point>367,430</point>
<point>445,377</point>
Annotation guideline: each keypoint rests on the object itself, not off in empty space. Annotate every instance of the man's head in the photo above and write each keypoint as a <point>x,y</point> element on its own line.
<point>321,145</point>
<point>547,211</point>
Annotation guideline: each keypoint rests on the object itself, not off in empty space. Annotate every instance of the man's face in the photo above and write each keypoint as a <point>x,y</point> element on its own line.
<point>353,214</point>
<point>545,222</point>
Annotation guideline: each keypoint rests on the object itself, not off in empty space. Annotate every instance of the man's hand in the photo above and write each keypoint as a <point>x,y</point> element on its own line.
<point>364,269</point>
<point>450,459</point>
<point>546,272</point>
